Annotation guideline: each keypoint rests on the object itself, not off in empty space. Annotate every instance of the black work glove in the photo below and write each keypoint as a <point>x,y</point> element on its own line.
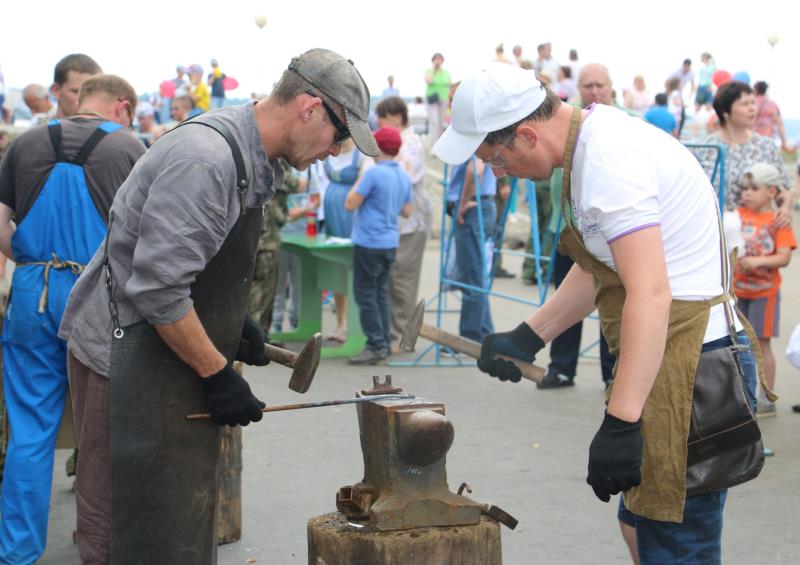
<point>251,347</point>
<point>521,343</point>
<point>615,457</point>
<point>229,398</point>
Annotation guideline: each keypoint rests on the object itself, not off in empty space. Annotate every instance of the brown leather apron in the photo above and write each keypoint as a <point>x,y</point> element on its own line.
<point>667,412</point>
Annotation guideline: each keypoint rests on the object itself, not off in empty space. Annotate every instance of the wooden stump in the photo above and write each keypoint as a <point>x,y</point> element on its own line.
<point>229,499</point>
<point>331,541</point>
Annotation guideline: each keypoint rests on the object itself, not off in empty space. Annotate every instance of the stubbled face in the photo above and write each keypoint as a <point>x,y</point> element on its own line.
<point>595,86</point>
<point>67,93</point>
<point>315,141</point>
<point>743,111</point>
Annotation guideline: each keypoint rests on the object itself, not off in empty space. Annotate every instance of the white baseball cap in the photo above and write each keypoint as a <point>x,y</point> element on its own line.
<point>488,101</point>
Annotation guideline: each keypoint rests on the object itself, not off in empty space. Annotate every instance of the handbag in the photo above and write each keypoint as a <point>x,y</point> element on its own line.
<point>433,98</point>
<point>724,446</point>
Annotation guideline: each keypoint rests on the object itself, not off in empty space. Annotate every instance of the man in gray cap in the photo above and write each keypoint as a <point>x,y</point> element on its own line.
<point>159,315</point>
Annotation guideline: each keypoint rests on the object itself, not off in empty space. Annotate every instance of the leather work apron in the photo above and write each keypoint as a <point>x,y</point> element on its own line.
<point>164,468</point>
<point>667,412</point>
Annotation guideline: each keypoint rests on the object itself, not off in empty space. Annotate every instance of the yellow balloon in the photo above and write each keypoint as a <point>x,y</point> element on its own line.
<point>261,21</point>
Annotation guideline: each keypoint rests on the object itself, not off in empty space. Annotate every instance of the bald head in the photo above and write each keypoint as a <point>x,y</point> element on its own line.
<point>594,84</point>
<point>36,98</point>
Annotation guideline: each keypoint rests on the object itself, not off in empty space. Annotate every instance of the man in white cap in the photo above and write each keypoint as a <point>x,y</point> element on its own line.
<point>159,315</point>
<point>644,235</point>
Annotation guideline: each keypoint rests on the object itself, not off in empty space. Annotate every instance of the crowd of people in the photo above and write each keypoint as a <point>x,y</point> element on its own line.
<point>129,284</point>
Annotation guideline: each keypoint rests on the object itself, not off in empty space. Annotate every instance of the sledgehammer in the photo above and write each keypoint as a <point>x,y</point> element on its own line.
<point>304,364</point>
<point>416,328</point>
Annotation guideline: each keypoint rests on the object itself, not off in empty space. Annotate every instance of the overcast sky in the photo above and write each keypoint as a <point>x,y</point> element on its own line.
<point>143,40</point>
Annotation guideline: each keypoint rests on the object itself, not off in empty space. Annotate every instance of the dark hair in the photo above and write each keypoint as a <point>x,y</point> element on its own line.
<point>661,99</point>
<point>726,96</point>
<point>392,106</point>
<point>567,71</point>
<point>687,61</point>
<point>77,62</point>
<point>544,112</point>
<point>760,87</point>
<point>437,54</point>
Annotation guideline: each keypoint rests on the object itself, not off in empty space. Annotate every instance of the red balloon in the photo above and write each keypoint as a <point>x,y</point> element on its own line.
<point>230,83</point>
<point>167,89</point>
<point>720,77</point>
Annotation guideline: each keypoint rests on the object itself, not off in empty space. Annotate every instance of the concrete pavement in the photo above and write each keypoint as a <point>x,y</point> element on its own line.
<point>521,448</point>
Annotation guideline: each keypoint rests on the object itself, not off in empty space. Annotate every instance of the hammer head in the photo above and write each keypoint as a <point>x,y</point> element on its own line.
<point>306,365</point>
<point>411,331</point>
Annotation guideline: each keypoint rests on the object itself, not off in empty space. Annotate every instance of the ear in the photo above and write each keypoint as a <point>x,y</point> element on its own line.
<point>528,134</point>
<point>55,91</point>
<point>307,105</point>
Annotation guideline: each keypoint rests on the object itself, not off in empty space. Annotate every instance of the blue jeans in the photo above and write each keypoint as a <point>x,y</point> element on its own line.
<point>371,288</point>
<point>696,541</point>
<point>476,317</point>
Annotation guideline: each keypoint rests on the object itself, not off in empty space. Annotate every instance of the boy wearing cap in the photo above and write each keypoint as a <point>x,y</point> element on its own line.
<point>767,248</point>
<point>383,193</point>
<point>645,237</point>
<point>200,93</point>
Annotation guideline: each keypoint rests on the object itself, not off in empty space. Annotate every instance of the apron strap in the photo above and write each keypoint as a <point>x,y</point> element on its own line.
<point>97,136</point>
<point>55,263</point>
<point>569,152</point>
<point>54,130</point>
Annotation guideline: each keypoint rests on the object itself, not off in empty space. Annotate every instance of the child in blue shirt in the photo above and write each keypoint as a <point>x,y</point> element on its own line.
<point>383,193</point>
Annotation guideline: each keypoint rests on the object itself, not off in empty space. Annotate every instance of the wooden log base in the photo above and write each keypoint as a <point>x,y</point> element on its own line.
<point>332,541</point>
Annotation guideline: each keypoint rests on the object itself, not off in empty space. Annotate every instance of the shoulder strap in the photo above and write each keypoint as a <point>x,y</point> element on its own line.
<point>54,130</point>
<point>97,136</point>
<point>242,181</point>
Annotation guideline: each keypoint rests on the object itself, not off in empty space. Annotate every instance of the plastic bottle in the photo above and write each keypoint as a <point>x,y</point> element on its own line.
<point>311,224</point>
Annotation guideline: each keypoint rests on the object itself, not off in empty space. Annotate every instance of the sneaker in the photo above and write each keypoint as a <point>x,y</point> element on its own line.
<point>556,380</point>
<point>501,273</point>
<point>766,410</point>
<point>369,357</point>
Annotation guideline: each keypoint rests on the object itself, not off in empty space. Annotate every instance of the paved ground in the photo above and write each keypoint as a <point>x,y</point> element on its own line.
<point>523,449</point>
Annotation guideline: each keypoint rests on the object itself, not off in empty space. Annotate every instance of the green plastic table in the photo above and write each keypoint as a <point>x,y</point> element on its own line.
<point>323,266</point>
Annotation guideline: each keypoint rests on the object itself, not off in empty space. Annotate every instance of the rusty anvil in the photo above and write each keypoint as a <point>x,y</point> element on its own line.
<point>304,364</point>
<point>404,443</point>
<point>416,328</point>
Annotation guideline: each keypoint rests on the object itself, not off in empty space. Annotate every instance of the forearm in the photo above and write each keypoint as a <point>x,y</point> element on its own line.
<point>189,340</point>
<point>571,303</point>
<point>645,319</point>
<point>6,232</point>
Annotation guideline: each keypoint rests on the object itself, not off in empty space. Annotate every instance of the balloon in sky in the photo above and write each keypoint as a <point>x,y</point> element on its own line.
<point>741,76</point>
<point>720,77</point>
<point>230,83</point>
<point>772,39</point>
<point>261,21</point>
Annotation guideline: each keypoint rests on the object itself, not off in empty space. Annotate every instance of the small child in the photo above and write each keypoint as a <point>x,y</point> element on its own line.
<point>383,193</point>
<point>767,248</point>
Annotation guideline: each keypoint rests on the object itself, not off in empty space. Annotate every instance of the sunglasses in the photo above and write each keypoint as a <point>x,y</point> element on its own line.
<point>342,133</point>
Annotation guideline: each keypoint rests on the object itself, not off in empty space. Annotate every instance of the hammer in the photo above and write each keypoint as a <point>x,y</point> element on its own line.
<point>304,364</point>
<point>416,327</point>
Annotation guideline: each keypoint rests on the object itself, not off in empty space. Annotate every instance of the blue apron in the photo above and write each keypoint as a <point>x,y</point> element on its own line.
<point>51,246</point>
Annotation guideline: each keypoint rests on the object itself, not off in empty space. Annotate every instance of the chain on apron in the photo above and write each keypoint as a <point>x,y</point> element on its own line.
<point>55,263</point>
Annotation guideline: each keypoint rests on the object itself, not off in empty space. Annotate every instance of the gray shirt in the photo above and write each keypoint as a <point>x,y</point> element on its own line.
<point>168,220</point>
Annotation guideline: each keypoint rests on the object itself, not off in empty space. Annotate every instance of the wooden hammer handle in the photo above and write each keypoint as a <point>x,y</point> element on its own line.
<point>473,349</point>
<point>279,355</point>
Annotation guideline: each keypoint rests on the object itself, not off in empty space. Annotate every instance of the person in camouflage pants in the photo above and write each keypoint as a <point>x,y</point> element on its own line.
<point>265,279</point>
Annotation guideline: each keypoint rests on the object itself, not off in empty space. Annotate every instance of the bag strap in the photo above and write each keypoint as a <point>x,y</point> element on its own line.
<point>726,271</point>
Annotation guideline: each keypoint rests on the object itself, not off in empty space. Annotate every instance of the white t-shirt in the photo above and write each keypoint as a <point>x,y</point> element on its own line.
<point>627,176</point>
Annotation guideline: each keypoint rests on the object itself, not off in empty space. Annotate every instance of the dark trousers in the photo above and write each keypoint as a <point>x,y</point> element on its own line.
<point>371,288</point>
<point>564,349</point>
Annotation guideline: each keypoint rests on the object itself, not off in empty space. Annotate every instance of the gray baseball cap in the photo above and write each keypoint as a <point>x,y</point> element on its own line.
<point>338,79</point>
